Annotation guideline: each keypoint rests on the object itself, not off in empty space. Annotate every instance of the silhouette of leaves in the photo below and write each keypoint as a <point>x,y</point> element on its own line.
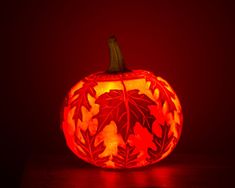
<point>125,109</point>
<point>164,93</point>
<point>88,149</point>
<point>162,144</point>
<point>126,157</point>
<point>82,99</point>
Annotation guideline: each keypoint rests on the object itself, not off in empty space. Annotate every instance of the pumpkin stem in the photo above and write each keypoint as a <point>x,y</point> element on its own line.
<point>117,64</point>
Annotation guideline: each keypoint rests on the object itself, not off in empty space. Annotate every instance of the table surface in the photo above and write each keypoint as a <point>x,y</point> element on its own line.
<point>67,171</point>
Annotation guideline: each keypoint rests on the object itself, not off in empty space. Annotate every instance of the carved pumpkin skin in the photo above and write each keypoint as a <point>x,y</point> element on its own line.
<point>123,120</point>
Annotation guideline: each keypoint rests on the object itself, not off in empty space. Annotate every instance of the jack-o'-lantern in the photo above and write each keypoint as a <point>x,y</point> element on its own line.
<point>121,118</point>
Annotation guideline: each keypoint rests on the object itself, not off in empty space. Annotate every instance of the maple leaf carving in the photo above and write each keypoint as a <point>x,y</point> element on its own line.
<point>125,108</point>
<point>82,99</point>
<point>126,157</point>
<point>89,150</point>
<point>162,144</point>
<point>164,93</point>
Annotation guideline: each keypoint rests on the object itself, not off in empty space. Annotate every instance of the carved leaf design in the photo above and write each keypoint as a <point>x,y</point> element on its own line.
<point>82,99</point>
<point>126,157</point>
<point>162,143</point>
<point>125,109</point>
<point>89,151</point>
<point>164,93</point>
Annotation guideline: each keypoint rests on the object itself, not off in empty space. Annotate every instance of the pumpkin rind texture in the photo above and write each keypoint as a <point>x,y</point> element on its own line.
<point>123,120</point>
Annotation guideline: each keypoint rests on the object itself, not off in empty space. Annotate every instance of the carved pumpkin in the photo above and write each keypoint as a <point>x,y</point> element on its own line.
<point>121,118</point>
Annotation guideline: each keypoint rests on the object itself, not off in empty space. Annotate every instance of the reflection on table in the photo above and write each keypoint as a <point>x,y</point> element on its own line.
<point>177,171</point>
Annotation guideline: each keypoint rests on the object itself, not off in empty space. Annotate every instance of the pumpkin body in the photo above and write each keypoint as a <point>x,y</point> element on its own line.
<point>122,120</point>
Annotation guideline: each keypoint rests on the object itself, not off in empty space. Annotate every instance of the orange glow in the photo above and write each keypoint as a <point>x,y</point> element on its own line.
<point>124,120</point>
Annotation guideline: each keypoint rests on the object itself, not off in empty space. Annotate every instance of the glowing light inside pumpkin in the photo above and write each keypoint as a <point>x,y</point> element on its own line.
<point>99,129</point>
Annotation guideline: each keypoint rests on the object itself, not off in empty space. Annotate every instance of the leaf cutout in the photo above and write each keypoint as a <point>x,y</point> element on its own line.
<point>162,144</point>
<point>164,93</point>
<point>89,151</point>
<point>125,109</point>
<point>126,157</point>
<point>82,99</point>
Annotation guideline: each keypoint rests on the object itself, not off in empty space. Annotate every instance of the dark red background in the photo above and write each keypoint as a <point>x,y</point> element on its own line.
<point>49,46</point>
